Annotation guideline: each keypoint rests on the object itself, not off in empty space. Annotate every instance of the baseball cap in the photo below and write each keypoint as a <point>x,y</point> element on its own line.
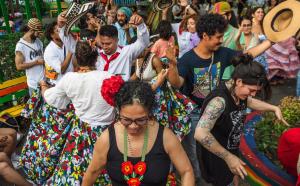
<point>221,8</point>
<point>36,25</point>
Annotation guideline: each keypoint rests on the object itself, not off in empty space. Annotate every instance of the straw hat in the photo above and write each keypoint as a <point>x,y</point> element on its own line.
<point>282,22</point>
<point>36,25</point>
<point>74,13</point>
<point>159,5</point>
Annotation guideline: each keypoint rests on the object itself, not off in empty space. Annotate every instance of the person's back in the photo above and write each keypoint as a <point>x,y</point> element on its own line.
<point>165,41</point>
<point>85,95</point>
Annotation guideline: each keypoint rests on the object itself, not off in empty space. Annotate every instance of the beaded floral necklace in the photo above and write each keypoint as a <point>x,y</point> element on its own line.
<point>134,174</point>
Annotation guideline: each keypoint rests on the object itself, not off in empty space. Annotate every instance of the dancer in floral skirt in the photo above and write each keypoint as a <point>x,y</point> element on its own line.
<point>69,143</point>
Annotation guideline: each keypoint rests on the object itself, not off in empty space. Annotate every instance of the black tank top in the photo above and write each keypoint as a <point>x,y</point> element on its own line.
<point>157,161</point>
<point>227,131</point>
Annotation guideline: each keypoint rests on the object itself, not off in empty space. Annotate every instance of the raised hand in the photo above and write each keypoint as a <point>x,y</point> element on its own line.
<point>170,54</point>
<point>61,20</point>
<point>136,20</point>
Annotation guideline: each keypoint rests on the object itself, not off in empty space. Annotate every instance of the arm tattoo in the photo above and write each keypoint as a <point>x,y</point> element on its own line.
<point>207,141</point>
<point>212,112</point>
<point>222,155</point>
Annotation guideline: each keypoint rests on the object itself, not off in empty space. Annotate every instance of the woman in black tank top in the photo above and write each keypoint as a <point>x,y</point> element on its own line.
<point>136,150</point>
<point>222,118</point>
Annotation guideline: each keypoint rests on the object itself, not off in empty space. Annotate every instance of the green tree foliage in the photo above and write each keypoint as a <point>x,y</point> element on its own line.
<point>7,57</point>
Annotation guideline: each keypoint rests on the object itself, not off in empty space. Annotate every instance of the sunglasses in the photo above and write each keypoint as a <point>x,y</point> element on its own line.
<point>139,121</point>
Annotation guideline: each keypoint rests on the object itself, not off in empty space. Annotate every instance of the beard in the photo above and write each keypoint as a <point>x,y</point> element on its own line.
<point>33,37</point>
<point>122,22</point>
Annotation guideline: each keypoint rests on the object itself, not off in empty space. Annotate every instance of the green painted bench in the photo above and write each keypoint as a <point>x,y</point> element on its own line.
<point>10,92</point>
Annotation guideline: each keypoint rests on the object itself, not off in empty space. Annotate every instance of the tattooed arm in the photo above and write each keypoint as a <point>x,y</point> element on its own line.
<point>212,112</point>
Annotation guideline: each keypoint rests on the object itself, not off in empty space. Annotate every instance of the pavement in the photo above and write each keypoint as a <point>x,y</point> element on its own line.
<point>280,91</point>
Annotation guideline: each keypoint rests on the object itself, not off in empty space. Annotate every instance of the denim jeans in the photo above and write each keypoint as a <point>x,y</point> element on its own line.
<point>189,145</point>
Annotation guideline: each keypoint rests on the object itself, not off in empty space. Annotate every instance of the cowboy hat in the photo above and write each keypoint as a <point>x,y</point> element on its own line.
<point>282,22</point>
<point>159,5</point>
<point>74,12</point>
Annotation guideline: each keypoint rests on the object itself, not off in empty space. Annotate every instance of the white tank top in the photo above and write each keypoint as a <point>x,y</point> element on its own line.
<point>149,72</point>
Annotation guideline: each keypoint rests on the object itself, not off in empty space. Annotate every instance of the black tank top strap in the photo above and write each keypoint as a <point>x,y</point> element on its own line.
<point>159,142</point>
<point>113,148</point>
<point>112,135</point>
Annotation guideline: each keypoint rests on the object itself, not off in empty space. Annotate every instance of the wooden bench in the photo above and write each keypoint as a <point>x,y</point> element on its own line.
<point>10,91</point>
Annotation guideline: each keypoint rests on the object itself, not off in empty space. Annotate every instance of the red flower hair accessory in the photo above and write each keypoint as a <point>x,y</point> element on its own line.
<point>110,87</point>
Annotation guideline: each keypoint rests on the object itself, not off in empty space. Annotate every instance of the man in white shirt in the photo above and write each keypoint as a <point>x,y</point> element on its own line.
<point>57,57</point>
<point>29,54</point>
<point>112,58</point>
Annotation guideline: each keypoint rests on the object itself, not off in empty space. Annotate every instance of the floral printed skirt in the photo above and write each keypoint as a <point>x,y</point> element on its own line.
<point>59,146</point>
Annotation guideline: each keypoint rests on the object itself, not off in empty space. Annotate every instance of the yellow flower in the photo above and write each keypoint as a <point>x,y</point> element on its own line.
<point>60,173</point>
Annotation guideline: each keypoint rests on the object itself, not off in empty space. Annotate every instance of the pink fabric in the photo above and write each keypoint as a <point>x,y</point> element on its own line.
<point>160,47</point>
<point>283,59</point>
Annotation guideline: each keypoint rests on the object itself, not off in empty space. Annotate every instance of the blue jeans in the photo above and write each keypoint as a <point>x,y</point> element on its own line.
<point>189,145</point>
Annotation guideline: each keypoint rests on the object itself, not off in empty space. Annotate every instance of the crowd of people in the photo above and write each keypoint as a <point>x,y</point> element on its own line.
<point>124,104</point>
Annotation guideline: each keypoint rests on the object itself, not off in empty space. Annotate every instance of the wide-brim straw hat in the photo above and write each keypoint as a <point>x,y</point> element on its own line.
<point>75,12</point>
<point>283,21</point>
<point>159,5</point>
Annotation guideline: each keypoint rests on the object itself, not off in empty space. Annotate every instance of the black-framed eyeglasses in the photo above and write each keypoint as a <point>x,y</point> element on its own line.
<point>139,121</point>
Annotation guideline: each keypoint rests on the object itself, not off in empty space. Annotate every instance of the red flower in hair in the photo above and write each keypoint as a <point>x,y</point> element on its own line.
<point>110,87</point>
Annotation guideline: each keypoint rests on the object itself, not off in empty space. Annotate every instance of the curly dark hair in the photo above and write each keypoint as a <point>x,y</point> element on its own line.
<point>50,30</point>
<point>164,29</point>
<point>135,91</point>
<point>85,54</point>
<point>251,73</point>
<point>211,24</point>
<point>109,31</point>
